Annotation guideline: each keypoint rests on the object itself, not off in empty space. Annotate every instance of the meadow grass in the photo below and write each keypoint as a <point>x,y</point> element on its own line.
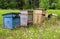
<point>33,32</point>
<point>54,11</point>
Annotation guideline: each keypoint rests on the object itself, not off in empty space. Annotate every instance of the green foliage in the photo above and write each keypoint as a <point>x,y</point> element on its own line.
<point>25,4</point>
<point>44,4</point>
<point>6,4</point>
<point>58,4</point>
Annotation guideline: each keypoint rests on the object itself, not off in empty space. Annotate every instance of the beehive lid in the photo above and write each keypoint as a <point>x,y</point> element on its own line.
<point>25,11</point>
<point>39,9</point>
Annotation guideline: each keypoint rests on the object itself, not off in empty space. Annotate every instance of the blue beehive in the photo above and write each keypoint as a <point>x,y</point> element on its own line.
<point>11,20</point>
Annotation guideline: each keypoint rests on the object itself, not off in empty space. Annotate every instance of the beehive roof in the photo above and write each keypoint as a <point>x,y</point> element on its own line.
<point>11,13</point>
<point>39,9</point>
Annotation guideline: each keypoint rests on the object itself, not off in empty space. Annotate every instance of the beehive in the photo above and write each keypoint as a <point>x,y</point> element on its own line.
<point>11,20</point>
<point>26,17</point>
<point>37,16</point>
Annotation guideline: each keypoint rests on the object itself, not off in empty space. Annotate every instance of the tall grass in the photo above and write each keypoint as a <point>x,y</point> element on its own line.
<point>54,11</point>
<point>48,32</point>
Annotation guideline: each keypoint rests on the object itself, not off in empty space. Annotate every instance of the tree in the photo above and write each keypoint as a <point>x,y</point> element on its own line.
<point>57,4</point>
<point>44,4</point>
<point>28,4</point>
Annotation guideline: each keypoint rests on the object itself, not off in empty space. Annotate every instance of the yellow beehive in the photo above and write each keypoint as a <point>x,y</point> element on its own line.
<point>37,16</point>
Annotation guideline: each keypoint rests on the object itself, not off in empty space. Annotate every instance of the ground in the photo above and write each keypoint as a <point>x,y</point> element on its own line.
<point>48,31</point>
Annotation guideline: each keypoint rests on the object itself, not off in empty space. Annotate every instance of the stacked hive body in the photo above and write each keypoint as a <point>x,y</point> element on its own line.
<point>26,17</point>
<point>11,20</point>
<point>37,16</point>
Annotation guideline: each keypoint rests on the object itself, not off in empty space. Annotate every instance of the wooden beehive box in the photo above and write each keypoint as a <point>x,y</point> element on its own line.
<point>26,17</point>
<point>37,16</point>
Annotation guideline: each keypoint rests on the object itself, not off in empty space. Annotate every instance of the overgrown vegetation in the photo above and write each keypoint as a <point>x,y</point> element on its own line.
<point>34,32</point>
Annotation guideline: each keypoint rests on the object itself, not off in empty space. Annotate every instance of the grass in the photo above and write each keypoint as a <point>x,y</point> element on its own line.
<point>54,11</point>
<point>34,32</point>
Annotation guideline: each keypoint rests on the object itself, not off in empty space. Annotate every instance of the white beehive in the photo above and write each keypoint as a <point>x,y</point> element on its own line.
<point>25,17</point>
